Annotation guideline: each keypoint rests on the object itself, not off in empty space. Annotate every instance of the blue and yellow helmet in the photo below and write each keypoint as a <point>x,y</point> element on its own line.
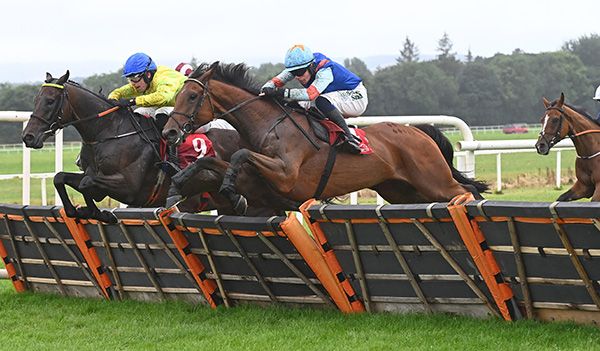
<point>298,56</point>
<point>138,63</point>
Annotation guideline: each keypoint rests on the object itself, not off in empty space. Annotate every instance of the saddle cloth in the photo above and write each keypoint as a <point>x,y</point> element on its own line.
<point>335,133</point>
<point>194,147</point>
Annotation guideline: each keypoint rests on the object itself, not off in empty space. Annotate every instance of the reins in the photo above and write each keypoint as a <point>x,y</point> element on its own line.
<point>190,126</point>
<point>58,111</point>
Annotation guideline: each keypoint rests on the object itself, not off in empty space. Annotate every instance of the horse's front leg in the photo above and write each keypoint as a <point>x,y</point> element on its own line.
<point>578,191</point>
<point>274,171</point>
<point>72,180</point>
<point>204,175</point>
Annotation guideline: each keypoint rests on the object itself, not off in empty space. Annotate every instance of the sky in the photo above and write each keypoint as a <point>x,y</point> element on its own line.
<point>90,37</point>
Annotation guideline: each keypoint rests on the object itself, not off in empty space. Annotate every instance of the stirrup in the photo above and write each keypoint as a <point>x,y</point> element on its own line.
<point>351,146</point>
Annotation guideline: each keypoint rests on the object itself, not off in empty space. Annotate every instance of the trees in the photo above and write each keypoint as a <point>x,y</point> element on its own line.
<point>410,89</point>
<point>105,82</point>
<point>409,52</point>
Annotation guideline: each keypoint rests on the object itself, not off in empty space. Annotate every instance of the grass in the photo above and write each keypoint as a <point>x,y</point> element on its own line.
<point>39,321</point>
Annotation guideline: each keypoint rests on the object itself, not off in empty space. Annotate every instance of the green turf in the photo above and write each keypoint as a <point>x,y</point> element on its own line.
<point>39,321</point>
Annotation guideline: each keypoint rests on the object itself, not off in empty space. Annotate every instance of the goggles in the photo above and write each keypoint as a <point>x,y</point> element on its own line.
<point>299,72</point>
<point>136,78</point>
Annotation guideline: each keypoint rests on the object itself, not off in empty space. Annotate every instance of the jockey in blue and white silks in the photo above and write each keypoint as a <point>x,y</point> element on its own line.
<point>328,86</point>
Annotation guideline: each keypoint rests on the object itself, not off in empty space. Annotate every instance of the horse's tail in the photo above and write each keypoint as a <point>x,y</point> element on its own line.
<point>448,152</point>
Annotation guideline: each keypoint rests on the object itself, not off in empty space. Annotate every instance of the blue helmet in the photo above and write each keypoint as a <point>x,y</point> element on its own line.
<point>298,56</point>
<point>138,63</point>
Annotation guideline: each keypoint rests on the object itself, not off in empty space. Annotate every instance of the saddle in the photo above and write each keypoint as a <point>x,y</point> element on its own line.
<point>331,133</point>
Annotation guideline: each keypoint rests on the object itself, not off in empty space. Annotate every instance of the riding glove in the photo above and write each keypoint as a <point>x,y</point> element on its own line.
<point>275,92</point>
<point>125,102</point>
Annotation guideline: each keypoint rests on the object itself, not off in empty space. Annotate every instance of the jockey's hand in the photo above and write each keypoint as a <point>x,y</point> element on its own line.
<point>125,102</point>
<point>275,92</point>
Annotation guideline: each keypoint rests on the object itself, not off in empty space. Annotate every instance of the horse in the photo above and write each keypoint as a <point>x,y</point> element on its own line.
<point>119,152</point>
<point>561,120</point>
<point>406,167</point>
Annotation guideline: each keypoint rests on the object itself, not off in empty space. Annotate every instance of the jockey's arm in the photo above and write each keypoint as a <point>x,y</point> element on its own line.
<point>279,80</point>
<point>323,78</point>
<point>126,91</point>
<point>163,96</point>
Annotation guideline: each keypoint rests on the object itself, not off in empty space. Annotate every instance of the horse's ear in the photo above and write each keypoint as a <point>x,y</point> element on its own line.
<point>208,74</point>
<point>561,100</point>
<point>63,79</point>
<point>48,77</point>
<point>546,102</point>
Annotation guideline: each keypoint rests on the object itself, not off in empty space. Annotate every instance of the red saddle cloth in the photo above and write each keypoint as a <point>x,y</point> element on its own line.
<point>195,146</point>
<point>335,131</point>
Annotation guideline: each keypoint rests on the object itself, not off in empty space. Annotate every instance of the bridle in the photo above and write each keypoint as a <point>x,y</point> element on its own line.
<point>557,137</point>
<point>189,126</point>
<point>54,123</point>
<point>58,112</point>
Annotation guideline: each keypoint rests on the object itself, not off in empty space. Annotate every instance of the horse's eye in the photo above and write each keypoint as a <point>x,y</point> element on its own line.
<point>193,96</point>
<point>554,121</point>
<point>49,101</point>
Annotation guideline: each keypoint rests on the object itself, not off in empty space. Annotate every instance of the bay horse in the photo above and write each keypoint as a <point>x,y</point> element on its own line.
<point>407,165</point>
<point>561,120</point>
<point>119,153</point>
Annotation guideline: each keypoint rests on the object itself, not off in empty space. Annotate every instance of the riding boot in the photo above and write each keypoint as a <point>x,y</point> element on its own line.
<point>351,144</point>
<point>161,120</point>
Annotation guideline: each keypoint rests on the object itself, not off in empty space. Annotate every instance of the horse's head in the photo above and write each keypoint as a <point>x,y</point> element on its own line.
<point>193,106</point>
<point>46,116</point>
<point>555,126</point>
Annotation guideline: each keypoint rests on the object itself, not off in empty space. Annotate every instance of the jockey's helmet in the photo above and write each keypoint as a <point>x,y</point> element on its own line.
<point>184,68</point>
<point>138,63</point>
<point>298,56</point>
<point>597,95</point>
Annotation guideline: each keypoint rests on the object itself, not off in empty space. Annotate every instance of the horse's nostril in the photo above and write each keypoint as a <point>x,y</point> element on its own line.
<point>171,135</point>
<point>28,139</point>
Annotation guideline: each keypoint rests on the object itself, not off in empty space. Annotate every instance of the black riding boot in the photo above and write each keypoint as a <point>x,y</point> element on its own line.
<point>351,144</point>
<point>161,120</point>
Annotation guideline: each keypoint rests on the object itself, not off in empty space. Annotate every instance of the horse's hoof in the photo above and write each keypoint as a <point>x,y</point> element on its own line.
<point>173,200</point>
<point>83,212</point>
<point>108,217</point>
<point>241,205</point>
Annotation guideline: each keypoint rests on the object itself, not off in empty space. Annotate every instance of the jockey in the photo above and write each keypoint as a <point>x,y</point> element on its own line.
<point>328,86</point>
<point>184,68</point>
<point>151,88</point>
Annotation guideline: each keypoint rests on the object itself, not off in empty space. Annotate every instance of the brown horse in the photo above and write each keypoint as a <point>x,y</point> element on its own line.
<point>406,167</point>
<point>561,120</point>
<point>119,153</point>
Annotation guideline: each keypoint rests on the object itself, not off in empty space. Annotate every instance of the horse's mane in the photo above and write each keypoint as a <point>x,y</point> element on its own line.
<point>75,84</point>
<point>231,73</point>
<point>577,109</point>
